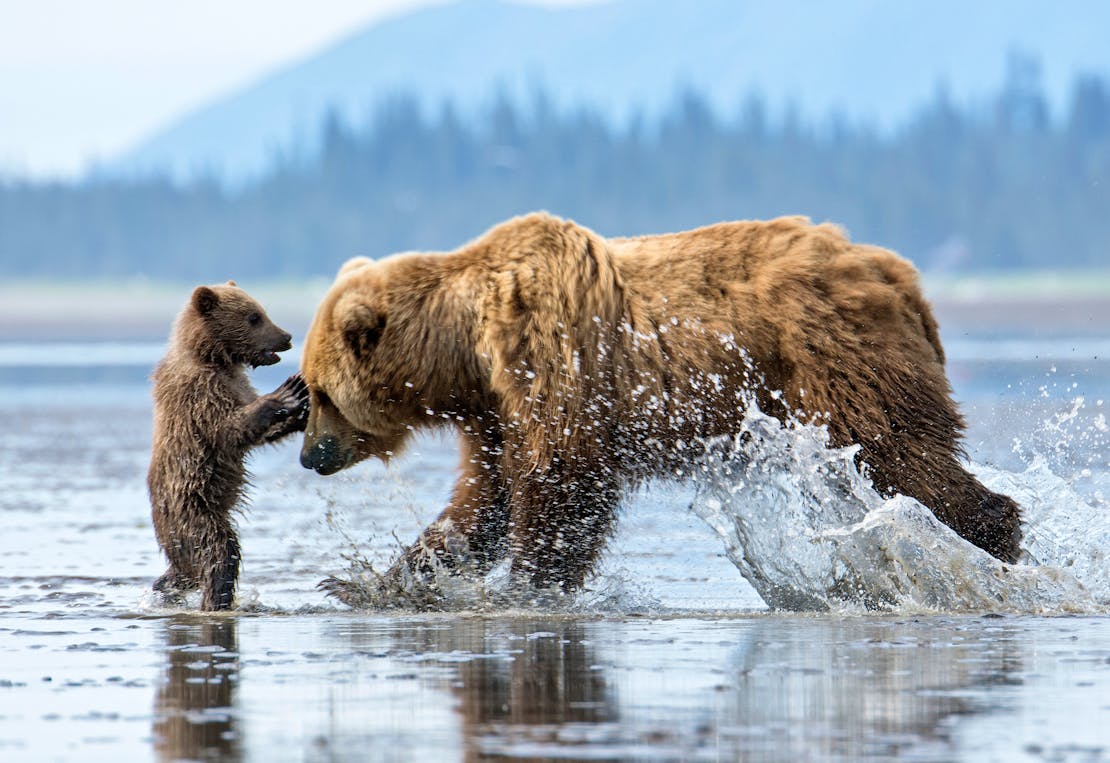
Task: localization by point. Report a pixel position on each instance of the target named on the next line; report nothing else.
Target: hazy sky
(81, 80)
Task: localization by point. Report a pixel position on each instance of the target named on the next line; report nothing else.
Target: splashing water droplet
(809, 532)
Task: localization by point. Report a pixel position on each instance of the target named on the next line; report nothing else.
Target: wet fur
(574, 366)
(207, 416)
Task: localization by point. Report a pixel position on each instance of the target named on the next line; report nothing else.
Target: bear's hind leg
(894, 401)
(1000, 519)
(978, 515)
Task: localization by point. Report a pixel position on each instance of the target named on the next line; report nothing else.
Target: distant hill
(865, 60)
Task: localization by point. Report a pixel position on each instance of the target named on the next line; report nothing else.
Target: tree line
(1000, 186)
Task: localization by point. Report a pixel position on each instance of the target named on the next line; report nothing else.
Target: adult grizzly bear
(574, 366)
(207, 416)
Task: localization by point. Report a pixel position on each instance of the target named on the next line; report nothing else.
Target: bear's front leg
(472, 532)
(560, 524)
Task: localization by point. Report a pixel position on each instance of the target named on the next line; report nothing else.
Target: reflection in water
(194, 713)
(531, 688)
(531, 680)
(865, 689)
(760, 689)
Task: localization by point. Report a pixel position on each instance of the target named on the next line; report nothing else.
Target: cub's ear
(232, 283)
(205, 300)
(362, 329)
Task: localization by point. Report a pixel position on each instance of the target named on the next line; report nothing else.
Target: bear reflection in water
(542, 689)
(194, 709)
(573, 367)
(871, 688)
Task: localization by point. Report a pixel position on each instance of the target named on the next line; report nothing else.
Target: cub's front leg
(252, 424)
(294, 393)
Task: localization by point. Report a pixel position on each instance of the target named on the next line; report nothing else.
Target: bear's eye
(254, 319)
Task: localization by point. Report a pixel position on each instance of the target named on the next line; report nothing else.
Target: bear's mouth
(266, 358)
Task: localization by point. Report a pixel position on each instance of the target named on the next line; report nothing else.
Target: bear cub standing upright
(207, 416)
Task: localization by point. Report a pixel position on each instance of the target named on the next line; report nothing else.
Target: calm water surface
(670, 656)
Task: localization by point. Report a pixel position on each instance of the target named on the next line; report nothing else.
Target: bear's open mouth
(266, 358)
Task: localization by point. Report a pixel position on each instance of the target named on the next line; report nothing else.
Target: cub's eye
(254, 319)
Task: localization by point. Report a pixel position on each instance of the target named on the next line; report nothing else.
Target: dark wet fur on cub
(207, 416)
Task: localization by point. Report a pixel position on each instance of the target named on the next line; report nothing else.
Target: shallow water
(761, 687)
(672, 655)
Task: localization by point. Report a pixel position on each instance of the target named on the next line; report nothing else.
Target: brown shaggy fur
(573, 366)
(206, 417)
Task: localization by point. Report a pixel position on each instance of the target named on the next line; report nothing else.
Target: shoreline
(145, 311)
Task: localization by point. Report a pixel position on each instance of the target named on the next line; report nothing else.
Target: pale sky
(81, 80)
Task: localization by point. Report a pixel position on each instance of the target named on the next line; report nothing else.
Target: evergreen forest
(1005, 185)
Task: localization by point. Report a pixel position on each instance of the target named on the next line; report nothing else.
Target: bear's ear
(205, 300)
(352, 264)
(362, 329)
(231, 283)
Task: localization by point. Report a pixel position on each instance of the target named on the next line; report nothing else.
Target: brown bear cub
(207, 416)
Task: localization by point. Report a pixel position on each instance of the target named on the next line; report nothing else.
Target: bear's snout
(283, 342)
(324, 455)
(268, 354)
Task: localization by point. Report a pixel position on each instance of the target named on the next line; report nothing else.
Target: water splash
(441, 589)
(809, 532)
(1063, 528)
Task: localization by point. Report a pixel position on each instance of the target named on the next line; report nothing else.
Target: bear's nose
(285, 341)
(324, 455)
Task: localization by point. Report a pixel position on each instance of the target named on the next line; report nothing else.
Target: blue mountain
(863, 60)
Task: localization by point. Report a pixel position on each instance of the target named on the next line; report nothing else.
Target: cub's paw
(293, 394)
(291, 411)
(293, 389)
(272, 410)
